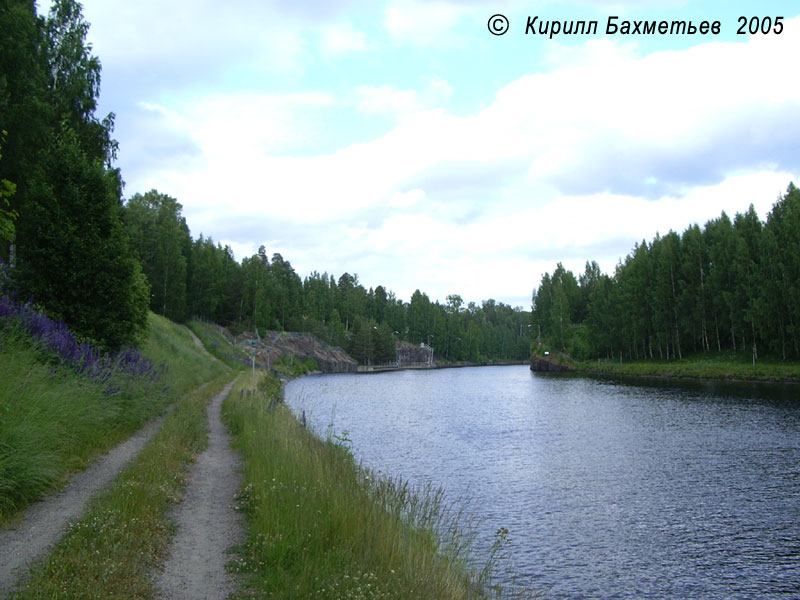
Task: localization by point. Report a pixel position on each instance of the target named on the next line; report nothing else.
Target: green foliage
(214, 282)
(72, 254)
(321, 527)
(730, 286)
(7, 217)
(161, 241)
(55, 421)
(580, 347)
(25, 114)
(291, 366)
(75, 258)
(125, 533)
(727, 365)
(217, 344)
(7, 189)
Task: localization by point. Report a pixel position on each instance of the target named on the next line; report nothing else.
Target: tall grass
(63, 403)
(187, 365)
(111, 551)
(321, 527)
(701, 366)
(218, 345)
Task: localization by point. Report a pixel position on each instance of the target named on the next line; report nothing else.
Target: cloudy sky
(404, 142)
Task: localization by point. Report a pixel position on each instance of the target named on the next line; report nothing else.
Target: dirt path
(207, 523)
(196, 339)
(199, 344)
(43, 524)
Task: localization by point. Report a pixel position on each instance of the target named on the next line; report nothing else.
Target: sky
(403, 142)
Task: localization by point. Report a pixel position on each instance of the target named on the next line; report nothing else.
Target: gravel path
(207, 523)
(196, 339)
(199, 344)
(44, 522)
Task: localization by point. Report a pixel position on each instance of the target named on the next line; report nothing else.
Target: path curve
(44, 522)
(207, 523)
(199, 344)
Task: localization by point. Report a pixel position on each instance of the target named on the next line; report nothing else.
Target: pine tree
(73, 255)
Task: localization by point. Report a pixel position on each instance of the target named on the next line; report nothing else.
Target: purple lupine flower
(84, 359)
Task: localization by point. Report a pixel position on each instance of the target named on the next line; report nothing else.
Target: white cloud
(609, 145)
(194, 39)
(339, 39)
(229, 126)
(423, 23)
(438, 88)
(407, 199)
(387, 99)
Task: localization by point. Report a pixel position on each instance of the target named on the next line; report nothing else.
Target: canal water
(608, 489)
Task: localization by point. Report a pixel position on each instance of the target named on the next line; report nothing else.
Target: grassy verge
(218, 345)
(124, 533)
(187, 365)
(291, 366)
(54, 419)
(321, 527)
(700, 367)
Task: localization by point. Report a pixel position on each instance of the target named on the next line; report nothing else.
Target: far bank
(729, 368)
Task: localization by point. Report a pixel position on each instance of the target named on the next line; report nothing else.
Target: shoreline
(364, 369)
(685, 370)
(669, 376)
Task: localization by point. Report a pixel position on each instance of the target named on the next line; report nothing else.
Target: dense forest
(59, 194)
(200, 279)
(99, 263)
(732, 286)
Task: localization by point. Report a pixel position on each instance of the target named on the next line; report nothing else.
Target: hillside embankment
(317, 524)
(100, 528)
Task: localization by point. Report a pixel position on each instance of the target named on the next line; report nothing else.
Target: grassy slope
(318, 525)
(321, 527)
(111, 551)
(218, 345)
(54, 421)
(188, 365)
(702, 366)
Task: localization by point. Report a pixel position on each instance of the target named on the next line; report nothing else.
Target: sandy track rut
(44, 522)
(207, 523)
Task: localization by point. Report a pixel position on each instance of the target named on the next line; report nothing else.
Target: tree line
(99, 263)
(198, 278)
(731, 286)
(60, 196)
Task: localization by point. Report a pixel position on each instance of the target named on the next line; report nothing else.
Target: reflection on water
(610, 490)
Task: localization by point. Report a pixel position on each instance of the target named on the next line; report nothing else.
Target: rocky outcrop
(413, 355)
(276, 344)
(547, 364)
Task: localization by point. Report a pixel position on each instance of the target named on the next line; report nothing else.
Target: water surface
(609, 490)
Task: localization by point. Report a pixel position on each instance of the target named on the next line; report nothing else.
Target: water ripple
(609, 490)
